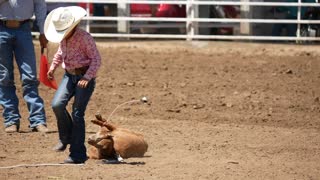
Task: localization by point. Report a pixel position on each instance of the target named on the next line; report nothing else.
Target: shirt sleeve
(40, 11)
(94, 56)
(57, 59)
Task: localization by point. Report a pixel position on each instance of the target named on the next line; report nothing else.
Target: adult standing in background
(16, 41)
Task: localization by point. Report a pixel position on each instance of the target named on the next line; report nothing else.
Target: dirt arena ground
(217, 110)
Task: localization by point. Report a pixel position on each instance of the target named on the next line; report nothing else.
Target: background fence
(197, 23)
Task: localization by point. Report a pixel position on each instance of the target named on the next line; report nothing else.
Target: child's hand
(83, 83)
(50, 75)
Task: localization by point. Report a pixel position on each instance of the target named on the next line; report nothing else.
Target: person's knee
(28, 82)
(5, 78)
(57, 106)
(78, 112)
(6, 83)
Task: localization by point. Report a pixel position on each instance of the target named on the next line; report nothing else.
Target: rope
(120, 106)
(37, 165)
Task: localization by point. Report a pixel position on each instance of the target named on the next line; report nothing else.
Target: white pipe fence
(192, 22)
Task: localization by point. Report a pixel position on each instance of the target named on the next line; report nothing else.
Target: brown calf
(111, 140)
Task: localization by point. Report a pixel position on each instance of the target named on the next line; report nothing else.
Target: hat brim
(55, 36)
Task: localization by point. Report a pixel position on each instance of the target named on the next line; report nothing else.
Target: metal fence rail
(192, 22)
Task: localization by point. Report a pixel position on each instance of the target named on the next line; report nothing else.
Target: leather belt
(13, 24)
(78, 71)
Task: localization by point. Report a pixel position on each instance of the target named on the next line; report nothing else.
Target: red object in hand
(43, 73)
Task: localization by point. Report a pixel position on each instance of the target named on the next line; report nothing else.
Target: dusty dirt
(217, 110)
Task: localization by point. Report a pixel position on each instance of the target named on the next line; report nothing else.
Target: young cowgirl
(79, 56)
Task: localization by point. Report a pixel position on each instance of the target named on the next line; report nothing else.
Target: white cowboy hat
(61, 21)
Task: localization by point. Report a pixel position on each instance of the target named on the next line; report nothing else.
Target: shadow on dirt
(114, 161)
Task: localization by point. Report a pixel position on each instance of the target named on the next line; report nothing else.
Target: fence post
(298, 18)
(195, 24)
(245, 27)
(88, 14)
(189, 22)
(123, 11)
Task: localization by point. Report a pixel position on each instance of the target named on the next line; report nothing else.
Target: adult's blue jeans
(72, 127)
(17, 43)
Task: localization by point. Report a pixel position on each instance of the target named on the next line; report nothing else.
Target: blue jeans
(72, 127)
(18, 43)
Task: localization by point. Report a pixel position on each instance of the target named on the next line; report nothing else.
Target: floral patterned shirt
(78, 51)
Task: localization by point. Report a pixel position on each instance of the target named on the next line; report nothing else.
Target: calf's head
(103, 141)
